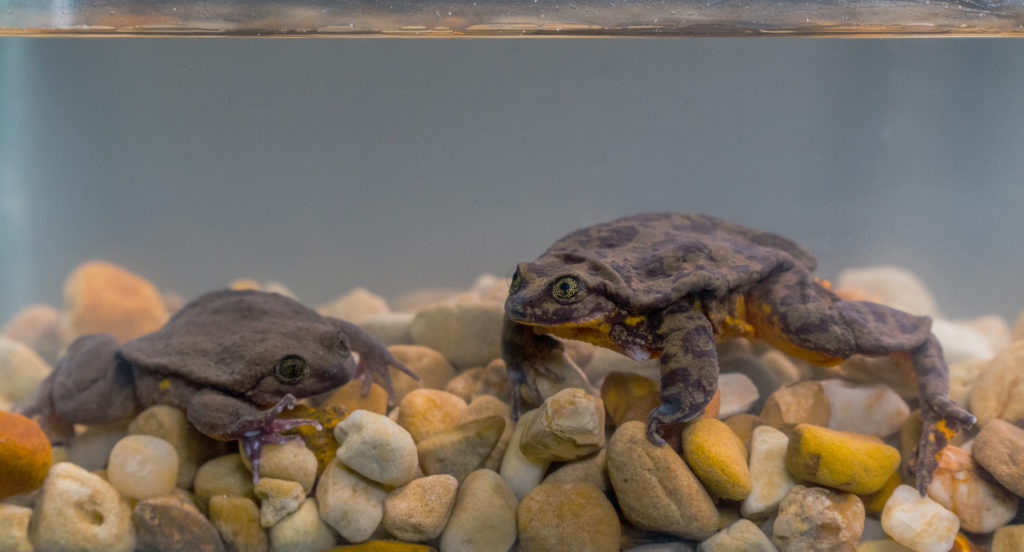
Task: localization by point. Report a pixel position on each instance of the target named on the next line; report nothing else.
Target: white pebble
(519, 472)
(871, 409)
(77, 511)
(960, 342)
(738, 394)
(302, 531)
(350, 503)
(768, 474)
(143, 466)
(14, 528)
(376, 447)
(919, 522)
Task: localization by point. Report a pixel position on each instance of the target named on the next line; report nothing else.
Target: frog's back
(661, 257)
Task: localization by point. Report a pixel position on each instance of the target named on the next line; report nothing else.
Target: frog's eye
(291, 369)
(343, 347)
(517, 282)
(566, 288)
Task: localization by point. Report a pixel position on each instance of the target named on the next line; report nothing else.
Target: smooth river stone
(79, 511)
(143, 466)
(484, 516)
(100, 297)
(770, 480)
(919, 522)
(350, 503)
(567, 516)
(419, 510)
(960, 487)
(999, 448)
(376, 447)
(569, 425)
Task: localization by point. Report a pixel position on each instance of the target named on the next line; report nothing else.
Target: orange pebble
(25, 454)
(101, 297)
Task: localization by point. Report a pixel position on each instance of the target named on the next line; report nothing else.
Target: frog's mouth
(595, 332)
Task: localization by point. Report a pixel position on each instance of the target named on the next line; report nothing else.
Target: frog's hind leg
(794, 313)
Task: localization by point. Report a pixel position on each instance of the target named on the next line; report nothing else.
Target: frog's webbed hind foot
(268, 431)
(526, 355)
(374, 358)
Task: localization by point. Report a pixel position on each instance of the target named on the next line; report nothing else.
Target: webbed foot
(377, 363)
(268, 430)
(941, 420)
(664, 415)
(529, 363)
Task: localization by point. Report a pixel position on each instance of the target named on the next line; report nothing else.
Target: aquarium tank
(484, 276)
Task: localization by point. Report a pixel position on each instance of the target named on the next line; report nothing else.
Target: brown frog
(232, 360)
(672, 285)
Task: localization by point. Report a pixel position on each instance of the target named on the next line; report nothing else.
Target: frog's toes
(956, 418)
(378, 365)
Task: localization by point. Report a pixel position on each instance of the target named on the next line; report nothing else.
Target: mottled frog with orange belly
(672, 285)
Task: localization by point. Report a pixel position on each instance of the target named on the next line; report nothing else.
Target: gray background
(397, 164)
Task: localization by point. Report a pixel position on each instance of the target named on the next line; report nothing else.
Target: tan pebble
(21, 370)
(467, 334)
(569, 425)
(567, 516)
(224, 475)
(770, 480)
(351, 504)
(462, 449)
(376, 447)
(38, 327)
(350, 398)
(193, 448)
(743, 426)
(592, 469)
(14, 528)
(780, 367)
(432, 367)
(999, 389)
(77, 511)
(493, 380)
(25, 454)
(356, 306)
(890, 285)
(803, 402)
(302, 531)
(629, 397)
(896, 371)
(882, 545)
(962, 377)
(871, 409)
(237, 520)
(919, 522)
(278, 498)
(171, 523)
(655, 489)
(847, 461)
(484, 516)
(290, 460)
(999, 448)
(960, 487)
(738, 393)
(100, 297)
(390, 329)
(419, 510)
(143, 466)
(464, 384)
(426, 411)
(487, 405)
(718, 458)
(814, 518)
(1009, 538)
(603, 362)
(740, 535)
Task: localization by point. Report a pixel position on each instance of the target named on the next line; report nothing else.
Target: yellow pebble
(851, 462)
(381, 546)
(875, 502)
(629, 396)
(718, 458)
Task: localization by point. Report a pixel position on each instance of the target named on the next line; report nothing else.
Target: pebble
(352, 505)
(739, 394)
(14, 528)
(782, 368)
(890, 285)
(39, 328)
(467, 334)
(875, 502)
(519, 472)
(25, 454)
(592, 469)
(224, 475)
(995, 328)
(356, 306)
(431, 366)
(741, 535)
(655, 489)
(743, 426)
(349, 397)
(961, 342)
(871, 409)
(302, 531)
(465, 383)
(718, 458)
(21, 370)
(628, 396)
(804, 402)
(847, 461)
(882, 545)
(419, 510)
(999, 448)
(484, 516)
(78, 511)
(462, 449)
(569, 425)
(100, 297)
(382, 546)
(493, 380)
(770, 480)
(999, 389)
(603, 362)
(391, 328)
(1009, 538)
(919, 522)
(554, 517)
(677, 546)
(289, 460)
(278, 499)
(814, 518)
(962, 377)
(488, 405)
(376, 447)
(169, 423)
(91, 448)
(958, 486)
(143, 466)
(426, 411)
(237, 519)
(171, 523)
(896, 371)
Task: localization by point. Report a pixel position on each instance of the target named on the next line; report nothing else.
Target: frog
(232, 360)
(672, 286)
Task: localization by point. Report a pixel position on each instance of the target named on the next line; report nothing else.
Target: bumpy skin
(224, 359)
(672, 285)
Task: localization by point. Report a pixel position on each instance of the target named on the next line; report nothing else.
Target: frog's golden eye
(566, 288)
(343, 347)
(291, 369)
(517, 282)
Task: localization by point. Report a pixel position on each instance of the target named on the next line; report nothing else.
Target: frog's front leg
(525, 353)
(374, 357)
(689, 369)
(227, 417)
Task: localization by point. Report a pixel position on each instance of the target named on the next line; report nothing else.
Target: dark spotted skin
(218, 360)
(672, 285)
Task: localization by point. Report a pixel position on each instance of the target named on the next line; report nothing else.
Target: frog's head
(308, 365)
(566, 293)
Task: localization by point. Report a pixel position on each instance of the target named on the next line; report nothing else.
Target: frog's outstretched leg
(90, 385)
(226, 417)
(374, 357)
(689, 369)
(791, 311)
(525, 352)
